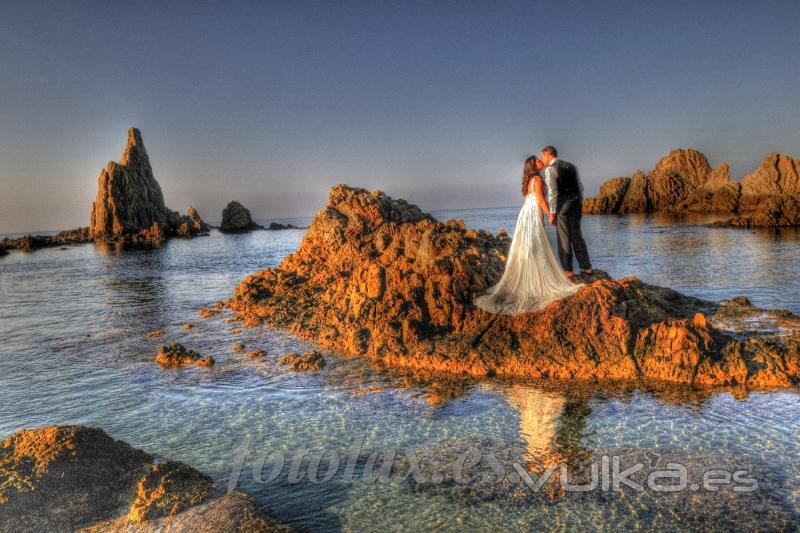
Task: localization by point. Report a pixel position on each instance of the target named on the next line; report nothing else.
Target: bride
(533, 277)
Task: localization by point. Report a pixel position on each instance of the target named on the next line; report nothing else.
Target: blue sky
(271, 103)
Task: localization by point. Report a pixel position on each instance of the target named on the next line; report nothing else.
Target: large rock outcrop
(130, 205)
(236, 217)
(683, 181)
(378, 277)
(62, 478)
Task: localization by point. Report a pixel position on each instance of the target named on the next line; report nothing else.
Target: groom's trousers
(570, 238)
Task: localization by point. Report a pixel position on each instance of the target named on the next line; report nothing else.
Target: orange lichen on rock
(167, 489)
(378, 277)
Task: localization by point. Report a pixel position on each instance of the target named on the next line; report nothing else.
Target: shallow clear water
(74, 349)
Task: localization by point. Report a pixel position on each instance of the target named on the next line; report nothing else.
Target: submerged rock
(177, 355)
(63, 478)
(378, 277)
(207, 313)
(231, 513)
(683, 181)
(130, 205)
(311, 360)
(236, 217)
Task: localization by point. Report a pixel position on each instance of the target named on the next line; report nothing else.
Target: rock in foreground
(378, 277)
(130, 205)
(684, 182)
(177, 355)
(236, 217)
(62, 478)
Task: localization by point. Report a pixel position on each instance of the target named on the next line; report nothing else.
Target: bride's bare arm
(538, 188)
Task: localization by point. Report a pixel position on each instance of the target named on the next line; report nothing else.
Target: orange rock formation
(130, 205)
(378, 277)
(683, 181)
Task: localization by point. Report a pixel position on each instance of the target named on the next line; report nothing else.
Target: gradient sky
(271, 103)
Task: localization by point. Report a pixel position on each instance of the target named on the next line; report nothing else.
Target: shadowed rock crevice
(378, 277)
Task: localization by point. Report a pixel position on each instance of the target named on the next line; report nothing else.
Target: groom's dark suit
(568, 209)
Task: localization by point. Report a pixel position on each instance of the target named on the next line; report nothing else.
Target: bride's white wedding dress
(533, 277)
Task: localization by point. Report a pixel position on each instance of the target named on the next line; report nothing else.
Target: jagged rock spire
(130, 204)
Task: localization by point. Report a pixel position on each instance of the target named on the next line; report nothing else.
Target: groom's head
(548, 154)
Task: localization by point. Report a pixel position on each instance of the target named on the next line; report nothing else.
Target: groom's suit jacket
(563, 183)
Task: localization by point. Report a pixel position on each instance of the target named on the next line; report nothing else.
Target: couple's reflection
(552, 426)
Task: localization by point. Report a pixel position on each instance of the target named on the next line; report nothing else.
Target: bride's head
(532, 167)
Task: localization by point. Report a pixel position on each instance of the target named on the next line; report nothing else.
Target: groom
(565, 198)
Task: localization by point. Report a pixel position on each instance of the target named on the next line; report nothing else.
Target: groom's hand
(552, 219)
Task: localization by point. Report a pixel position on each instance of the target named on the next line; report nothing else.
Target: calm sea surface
(74, 349)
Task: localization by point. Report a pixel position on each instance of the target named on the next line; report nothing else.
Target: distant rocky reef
(684, 182)
(68, 478)
(236, 218)
(29, 243)
(378, 277)
(130, 205)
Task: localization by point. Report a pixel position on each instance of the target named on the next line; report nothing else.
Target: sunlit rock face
(378, 277)
(770, 196)
(683, 181)
(130, 205)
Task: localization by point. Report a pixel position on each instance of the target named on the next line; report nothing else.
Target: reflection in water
(538, 420)
(552, 426)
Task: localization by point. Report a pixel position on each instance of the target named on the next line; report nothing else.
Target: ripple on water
(75, 349)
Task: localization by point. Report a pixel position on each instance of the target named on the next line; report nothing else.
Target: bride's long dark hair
(528, 173)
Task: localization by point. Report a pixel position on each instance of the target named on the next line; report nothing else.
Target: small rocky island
(684, 182)
(68, 478)
(130, 205)
(378, 277)
(236, 218)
